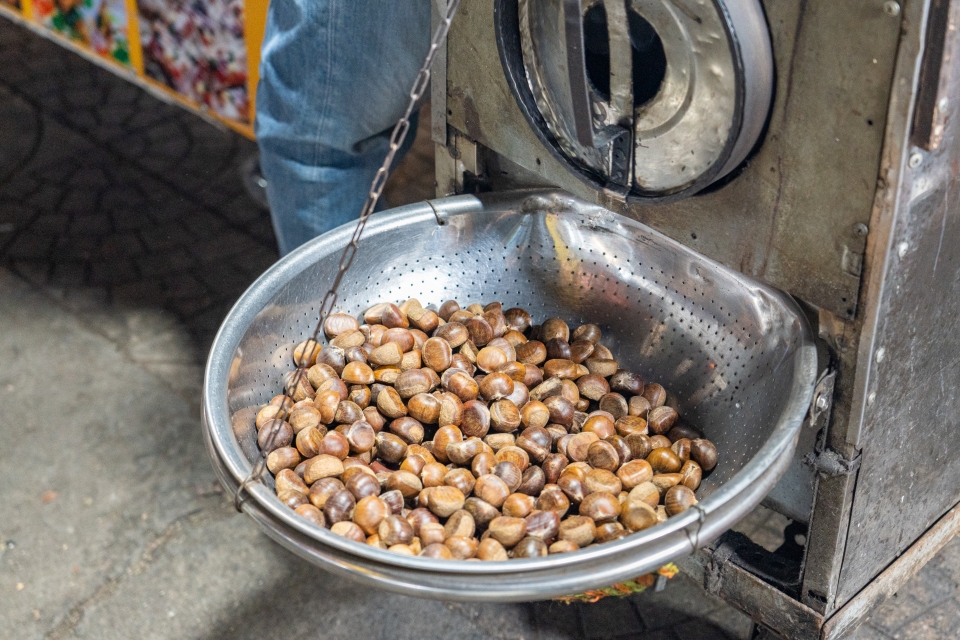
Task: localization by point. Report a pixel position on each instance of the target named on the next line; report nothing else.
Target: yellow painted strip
(133, 36)
(254, 24)
(26, 6)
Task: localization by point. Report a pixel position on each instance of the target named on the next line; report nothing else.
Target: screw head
(872, 397)
(902, 249)
(915, 160)
(861, 229)
(891, 8)
(822, 403)
(881, 353)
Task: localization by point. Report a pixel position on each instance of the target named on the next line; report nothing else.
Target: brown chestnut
(504, 416)
(518, 505)
(635, 472)
(369, 512)
(637, 516)
(645, 492)
(529, 547)
(690, 475)
(678, 499)
(491, 550)
(495, 386)
(349, 530)
(661, 419)
(602, 481)
(600, 506)
(655, 394)
(704, 453)
(437, 551)
(603, 455)
(533, 481)
(395, 530)
(664, 460)
(552, 498)
(552, 466)
(492, 490)
(483, 512)
(555, 328)
(507, 531)
(339, 506)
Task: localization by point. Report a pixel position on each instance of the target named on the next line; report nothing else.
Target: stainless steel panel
(910, 470)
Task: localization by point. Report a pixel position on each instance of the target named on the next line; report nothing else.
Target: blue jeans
(335, 76)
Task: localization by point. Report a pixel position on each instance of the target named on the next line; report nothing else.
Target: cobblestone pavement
(125, 235)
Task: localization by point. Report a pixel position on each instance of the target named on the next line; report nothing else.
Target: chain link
(399, 134)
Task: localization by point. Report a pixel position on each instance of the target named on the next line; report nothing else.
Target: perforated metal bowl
(736, 355)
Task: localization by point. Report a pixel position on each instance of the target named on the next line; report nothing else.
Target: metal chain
(400, 131)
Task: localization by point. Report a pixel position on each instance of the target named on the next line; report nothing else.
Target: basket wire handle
(400, 131)
(694, 540)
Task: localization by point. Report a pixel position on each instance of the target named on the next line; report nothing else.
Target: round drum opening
(649, 59)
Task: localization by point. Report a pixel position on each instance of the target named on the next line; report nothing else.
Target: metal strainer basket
(736, 356)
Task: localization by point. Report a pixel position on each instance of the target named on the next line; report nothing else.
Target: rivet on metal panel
(881, 353)
(891, 8)
(872, 398)
(902, 249)
(861, 229)
(915, 160)
(822, 396)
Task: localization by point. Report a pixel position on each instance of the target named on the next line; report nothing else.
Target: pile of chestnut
(472, 433)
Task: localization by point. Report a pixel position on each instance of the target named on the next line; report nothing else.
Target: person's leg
(334, 78)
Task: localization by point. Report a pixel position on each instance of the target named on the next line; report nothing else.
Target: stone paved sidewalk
(125, 236)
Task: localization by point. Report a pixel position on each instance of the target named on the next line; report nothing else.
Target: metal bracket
(822, 400)
(831, 464)
(621, 154)
(826, 462)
